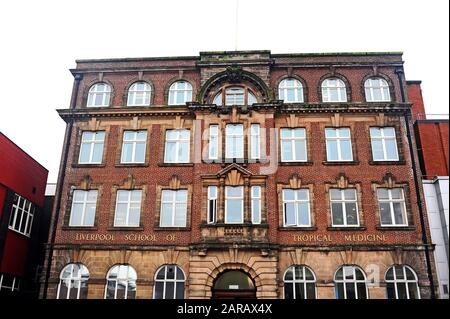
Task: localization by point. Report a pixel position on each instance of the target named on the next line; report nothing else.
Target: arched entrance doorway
(233, 284)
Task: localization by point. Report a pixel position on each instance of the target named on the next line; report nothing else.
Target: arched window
(235, 95)
(121, 282)
(333, 90)
(99, 95)
(290, 91)
(169, 283)
(350, 283)
(377, 90)
(73, 282)
(180, 93)
(401, 283)
(299, 283)
(139, 94)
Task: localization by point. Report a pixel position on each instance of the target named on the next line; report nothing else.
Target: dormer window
(234, 95)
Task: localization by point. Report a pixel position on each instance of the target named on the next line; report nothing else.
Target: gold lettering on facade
(94, 237)
(140, 237)
(309, 238)
(171, 237)
(365, 237)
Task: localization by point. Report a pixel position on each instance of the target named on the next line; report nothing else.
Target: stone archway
(233, 284)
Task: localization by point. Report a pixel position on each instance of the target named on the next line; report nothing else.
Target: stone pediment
(227, 170)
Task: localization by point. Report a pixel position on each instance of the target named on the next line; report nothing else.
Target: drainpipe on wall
(61, 174)
(400, 75)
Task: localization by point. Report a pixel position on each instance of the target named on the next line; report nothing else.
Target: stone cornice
(193, 108)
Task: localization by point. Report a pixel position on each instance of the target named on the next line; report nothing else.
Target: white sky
(40, 40)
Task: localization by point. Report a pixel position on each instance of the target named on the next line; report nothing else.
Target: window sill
(79, 228)
(125, 228)
(308, 163)
(340, 163)
(132, 165)
(88, 165)
(395, 228)
(236, 225)
(347, 228)
(297, 228)
(371, 162)
(159, 228)
(175, 164)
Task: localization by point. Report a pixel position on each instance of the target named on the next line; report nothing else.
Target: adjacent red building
(22, 187)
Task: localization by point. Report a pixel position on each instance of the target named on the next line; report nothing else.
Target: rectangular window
(293, 145)
(9, 282)
(339, 144)
(256, 204)
(128, 208)
(296, 208)
(173, 208)
(255, 141)
(214, 142)
(91, 149)
(212, 204)
(344, 207)
(234, 205)
(234, 146)
(133, 146)
(22, 215)
(392, 207)
(83, 208)
(384, 144)
(177, 146)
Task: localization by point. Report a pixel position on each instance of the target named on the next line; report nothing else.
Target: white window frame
(256, 214)
(340, 88)
(178, 140)
(339, 140)
(72, 280)
(91, 144)
(213, 198)
(129, 202)
(296, 200)
(127, 279)
(283, 89)
(166, 280)
(353, 281)
(173, 203)
(405, 281)
(15, 284)
(231, 98)
(382, 85)
(133, 91)
(26, 209)
(255, 141)
(230, 152)
(84, 202)
(227, 197)
(342, 201)
(94, 91)
(391, 202)
(303, 282)
(134, 142)
(177, 88)
(292, 140)
(383, 139)
(213, 141)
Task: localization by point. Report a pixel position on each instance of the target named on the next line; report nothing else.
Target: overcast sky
(40, 41)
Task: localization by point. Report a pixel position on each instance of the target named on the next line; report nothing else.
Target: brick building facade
(244, 174)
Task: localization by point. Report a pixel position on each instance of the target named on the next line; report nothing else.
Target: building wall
(433, 147)
(263, 251)
(437, 200)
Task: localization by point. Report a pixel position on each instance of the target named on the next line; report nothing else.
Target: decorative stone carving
(174, 182)
(234, 74)
(295, 182)
(234, 178)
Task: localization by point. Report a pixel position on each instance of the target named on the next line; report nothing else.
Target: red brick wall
(433, 147)
(415, 97)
